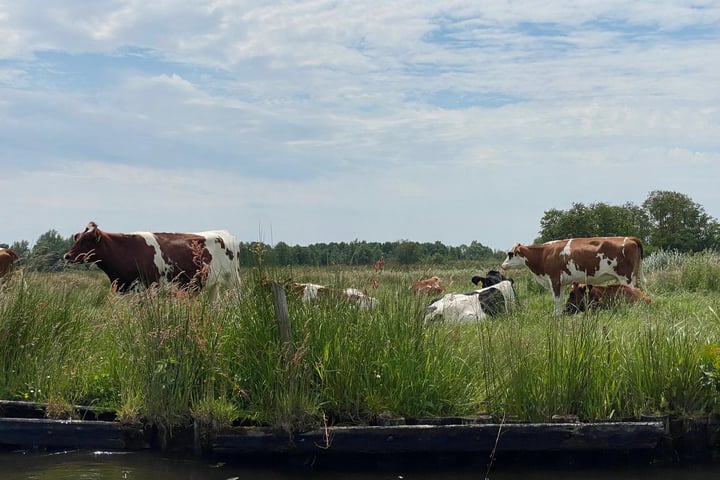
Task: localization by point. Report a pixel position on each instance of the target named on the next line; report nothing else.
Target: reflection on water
(151, 466)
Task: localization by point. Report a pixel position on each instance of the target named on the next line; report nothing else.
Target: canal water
(88, 465)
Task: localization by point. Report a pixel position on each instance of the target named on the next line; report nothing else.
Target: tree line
(666, 220)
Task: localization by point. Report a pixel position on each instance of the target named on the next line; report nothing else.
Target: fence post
(283, 318)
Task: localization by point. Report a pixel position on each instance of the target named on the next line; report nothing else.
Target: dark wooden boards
(446, 438)
(91, 434)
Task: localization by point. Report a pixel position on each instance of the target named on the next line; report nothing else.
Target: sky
(333, 121)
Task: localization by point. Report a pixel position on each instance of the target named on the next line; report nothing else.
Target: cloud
(341, 120)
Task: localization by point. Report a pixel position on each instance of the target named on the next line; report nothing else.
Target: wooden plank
(33, 432)
(26, 409)
(448, 438)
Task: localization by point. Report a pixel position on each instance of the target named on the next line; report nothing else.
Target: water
(86, 465)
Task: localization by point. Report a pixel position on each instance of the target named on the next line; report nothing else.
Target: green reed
(49, 347)
(172, 359)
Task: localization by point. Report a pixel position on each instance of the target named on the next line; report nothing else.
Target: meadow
(171, 359)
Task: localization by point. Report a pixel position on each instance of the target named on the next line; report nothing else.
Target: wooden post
(283, 318)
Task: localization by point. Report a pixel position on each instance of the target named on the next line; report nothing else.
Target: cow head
(493, 278)
(86, 243)
(514, 258)
(578, 300)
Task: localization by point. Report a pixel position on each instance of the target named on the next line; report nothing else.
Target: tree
(48, 251)
(595, 220)
(478, 252)
(679, 223)
(22, 248)
(283, 254)
(407, 252)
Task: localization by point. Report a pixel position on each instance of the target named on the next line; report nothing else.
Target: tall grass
(172, 359)
(43, 335)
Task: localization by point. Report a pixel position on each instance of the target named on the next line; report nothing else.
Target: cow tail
(640, 274)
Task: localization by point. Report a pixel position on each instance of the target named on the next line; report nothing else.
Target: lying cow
(428, 286)
(190, 260)
(310, 292)
(473, 306)
(493, 278)
(593, 260)
(589, 297)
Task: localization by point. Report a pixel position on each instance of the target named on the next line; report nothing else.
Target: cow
(8, 262)
(472, 306)
(589, 297)
(191, 261)
(379, 266)
(493, 277)
(592, 260)
(310, 292)
(428, 286)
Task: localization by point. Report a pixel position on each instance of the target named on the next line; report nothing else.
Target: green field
(170, 359)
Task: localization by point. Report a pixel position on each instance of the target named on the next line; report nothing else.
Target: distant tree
(283, 254)
(364, 253)
(22, 248)
(679, 223)
(476, 252)
(300, 255)
(48, 251)
(595, 220)
(407, 252)
(556, 224)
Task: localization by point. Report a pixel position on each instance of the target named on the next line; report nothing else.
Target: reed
(172, 359)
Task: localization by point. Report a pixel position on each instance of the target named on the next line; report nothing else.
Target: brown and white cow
(591, 260)
(310, 292)
(8, 262)
(190, 260)
(589, 297)
(428, 286)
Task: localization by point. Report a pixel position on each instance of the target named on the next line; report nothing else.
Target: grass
(171, 359)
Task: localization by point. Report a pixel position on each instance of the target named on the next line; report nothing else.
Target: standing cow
(190, 260)
(592, 260)
(8, 261)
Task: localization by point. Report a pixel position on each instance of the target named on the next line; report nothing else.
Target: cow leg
(558, 308)
(557, 297)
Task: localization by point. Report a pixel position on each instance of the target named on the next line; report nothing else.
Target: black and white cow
(493, 278)
(472, 306)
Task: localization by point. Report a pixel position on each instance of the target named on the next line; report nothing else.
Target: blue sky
(320, 121)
